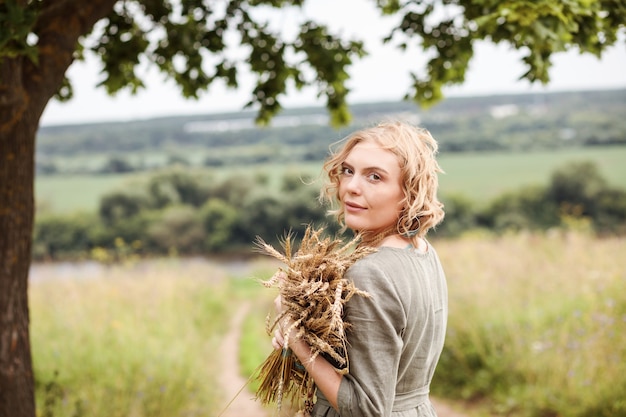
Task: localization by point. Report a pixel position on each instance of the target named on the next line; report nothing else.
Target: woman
(385, 181)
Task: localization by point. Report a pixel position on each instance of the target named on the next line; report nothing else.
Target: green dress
(395, 338)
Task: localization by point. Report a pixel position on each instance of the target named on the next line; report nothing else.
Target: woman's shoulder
(390, 263)
(377, 276)
(389, 257)
(371, 262)
(378, 266)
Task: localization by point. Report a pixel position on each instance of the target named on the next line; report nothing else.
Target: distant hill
(483, 123)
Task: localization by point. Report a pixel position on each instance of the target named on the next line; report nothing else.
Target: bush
(177, 187)
(62, 236)
(526, 209)
(577, 184)
(262, 216)
(131, 230)
(460, 217)
(178, 230)
(121, 205)
(219, 220)
(117, 165)
(610, 215)
(577, 194)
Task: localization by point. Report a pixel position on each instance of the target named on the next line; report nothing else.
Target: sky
(381, 76)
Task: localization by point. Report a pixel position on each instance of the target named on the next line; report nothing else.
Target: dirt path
(445, 410)
(244, 404)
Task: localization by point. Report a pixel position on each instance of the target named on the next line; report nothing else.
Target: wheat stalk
(314, 290)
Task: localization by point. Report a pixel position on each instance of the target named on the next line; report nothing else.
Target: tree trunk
(25, 88)
(17, 149)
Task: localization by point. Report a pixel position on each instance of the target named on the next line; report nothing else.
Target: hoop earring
(411, 233)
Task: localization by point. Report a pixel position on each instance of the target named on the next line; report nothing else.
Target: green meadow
(537, 327)
(478, 176)
(482, 176)
(133, 339)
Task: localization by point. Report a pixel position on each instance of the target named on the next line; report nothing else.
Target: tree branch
(59, 26)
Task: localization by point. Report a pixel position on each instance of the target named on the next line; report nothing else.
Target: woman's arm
(374, 349)
(323, 373)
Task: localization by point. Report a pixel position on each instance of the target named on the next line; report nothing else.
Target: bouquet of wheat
(314, 290)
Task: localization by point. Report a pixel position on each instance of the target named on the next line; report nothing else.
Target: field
(537, 328)
(135, 339)
(478, 176)
(482, 176)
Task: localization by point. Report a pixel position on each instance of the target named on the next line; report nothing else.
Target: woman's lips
(353, 207)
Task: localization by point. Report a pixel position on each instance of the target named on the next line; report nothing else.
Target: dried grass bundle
(314, 291)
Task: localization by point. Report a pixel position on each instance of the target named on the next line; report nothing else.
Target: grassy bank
(129, 341)
(537, 328)
(537, 325)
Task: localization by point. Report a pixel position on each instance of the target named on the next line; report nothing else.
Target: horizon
(322, 108)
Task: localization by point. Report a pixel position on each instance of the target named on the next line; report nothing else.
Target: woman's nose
(353, 185)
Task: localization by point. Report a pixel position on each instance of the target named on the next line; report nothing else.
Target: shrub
(62, 236)
(219, 220)
(177, 187)
(525, 209)
(121, 205)
(460, 216)
(178, 230)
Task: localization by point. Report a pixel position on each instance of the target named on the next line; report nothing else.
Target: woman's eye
(374, 177)
(346, 171)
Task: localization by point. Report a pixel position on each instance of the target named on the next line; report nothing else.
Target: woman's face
(369, 188)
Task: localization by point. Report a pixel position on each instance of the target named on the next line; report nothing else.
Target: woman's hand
(285, 323)
(278, 341)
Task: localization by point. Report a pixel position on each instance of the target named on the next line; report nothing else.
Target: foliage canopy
(192, 42)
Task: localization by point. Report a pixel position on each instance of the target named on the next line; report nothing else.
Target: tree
(187, 41)
(575, 187)
(219, 219)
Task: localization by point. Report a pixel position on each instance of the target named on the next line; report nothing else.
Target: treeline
(175, 212)
(492, 123)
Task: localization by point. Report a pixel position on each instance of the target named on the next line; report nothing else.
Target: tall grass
(537, 324)
(255, 346)
(537, 328)
(132, 341)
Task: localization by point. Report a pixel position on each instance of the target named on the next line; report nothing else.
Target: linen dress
(395, 338)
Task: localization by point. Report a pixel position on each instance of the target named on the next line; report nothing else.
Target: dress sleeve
(374, 344)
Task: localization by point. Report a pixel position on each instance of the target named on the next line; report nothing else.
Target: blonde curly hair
(416, 150)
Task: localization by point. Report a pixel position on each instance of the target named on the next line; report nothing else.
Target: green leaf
(16, 25)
